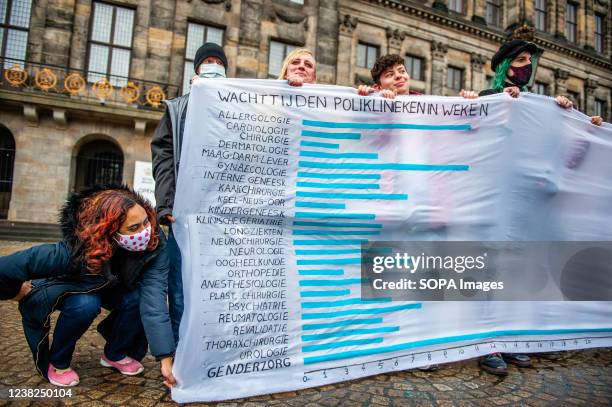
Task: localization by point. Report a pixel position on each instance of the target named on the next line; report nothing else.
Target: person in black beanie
(209, 62)
(515, 65)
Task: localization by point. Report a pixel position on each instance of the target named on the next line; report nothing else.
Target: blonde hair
(290, 57)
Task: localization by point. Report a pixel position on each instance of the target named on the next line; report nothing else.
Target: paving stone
(582, 378)
(442, 387)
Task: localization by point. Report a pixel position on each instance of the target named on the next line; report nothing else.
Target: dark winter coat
(488, 92)
(62, 273)
(166, 152)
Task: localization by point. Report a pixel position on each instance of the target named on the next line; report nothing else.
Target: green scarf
(500, 79)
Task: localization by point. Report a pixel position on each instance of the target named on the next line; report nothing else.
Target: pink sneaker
(126, 366)
(62, 377)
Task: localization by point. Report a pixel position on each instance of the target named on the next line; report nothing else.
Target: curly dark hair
(100, 217)
(383, 63)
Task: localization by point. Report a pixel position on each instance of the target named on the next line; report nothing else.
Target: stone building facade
(82, 80)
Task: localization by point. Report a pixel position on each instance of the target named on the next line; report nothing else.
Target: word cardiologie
(422, 262)
(358, 104)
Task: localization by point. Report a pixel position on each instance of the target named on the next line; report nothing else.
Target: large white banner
(279, 186)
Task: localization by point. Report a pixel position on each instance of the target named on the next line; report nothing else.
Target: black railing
(102, 168)
(84, 85)
(7, 162)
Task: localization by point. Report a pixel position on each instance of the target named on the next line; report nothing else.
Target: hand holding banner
(280, 190)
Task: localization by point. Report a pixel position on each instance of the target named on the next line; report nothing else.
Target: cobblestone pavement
(581, 378)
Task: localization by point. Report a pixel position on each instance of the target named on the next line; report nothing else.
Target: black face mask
(522, 75)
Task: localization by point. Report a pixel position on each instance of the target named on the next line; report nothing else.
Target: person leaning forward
(111, 255)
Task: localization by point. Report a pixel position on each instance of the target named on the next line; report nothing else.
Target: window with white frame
(197, 35)
(278, 53)
(456, 6)
(414, 66)
(540, 15)
(110, 43)
(14, 27)
(366, 55)
(540, 88)
(454, 78)
(571, 21)
(494, 13)
(574, 97)
(599, 33)
(600, 108)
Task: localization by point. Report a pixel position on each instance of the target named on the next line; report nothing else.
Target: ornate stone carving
(228, 3)
(45, 79)
(523, 32)
(438, 49)
(30, 112)
(477, 61)
(363, 79)
(102, 89)
(590, 85)
(348, 24)
(16, 76)
(479, 19)
(561, 75)
(130, 92)
(395, 37)
(289, 15)
(440, 5)
(74, 83)
(60, 119)
(140, 126)
(155, 96)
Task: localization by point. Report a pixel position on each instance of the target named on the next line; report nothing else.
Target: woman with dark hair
(515, 65)
(112, 255)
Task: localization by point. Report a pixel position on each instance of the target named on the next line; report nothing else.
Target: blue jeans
(78, 312)
(175, 285)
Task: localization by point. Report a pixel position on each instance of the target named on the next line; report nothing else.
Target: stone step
(29, 231)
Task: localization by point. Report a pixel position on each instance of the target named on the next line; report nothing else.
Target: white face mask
(136, 242)
(212, 71)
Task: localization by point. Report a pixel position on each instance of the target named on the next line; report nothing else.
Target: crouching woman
(112, 255)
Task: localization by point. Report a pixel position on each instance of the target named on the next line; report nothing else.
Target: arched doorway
(7, 163)
(98, 162)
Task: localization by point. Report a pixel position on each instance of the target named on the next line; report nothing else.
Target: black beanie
(210, 49)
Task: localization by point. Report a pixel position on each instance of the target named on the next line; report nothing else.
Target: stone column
(480, 12)
(586, 26)
(78, 47)
(345, 65)
(395, 38)
(37, 31)
(477, 62)
(514, 14)
(560, 18)
(159, 40)
(251, 15)
(551, 16)
(327, 41)
(468, 8)
(560, 82)
(590, 85)
(529, 16)
(438, 66)
(58, 32)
